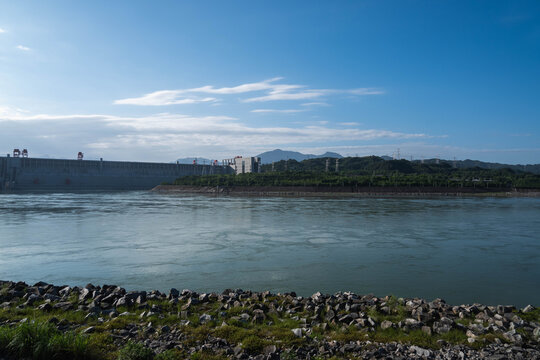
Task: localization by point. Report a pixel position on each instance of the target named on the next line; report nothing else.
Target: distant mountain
(189, 160)
(467, 164)
(278, 155)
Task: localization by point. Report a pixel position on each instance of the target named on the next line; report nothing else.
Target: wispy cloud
(164, 97)
(315, 103)
(293, 92)
(2, 31)
(284, 111)
(244, 88)
(23, 48)
(141, 137)
(271, 91)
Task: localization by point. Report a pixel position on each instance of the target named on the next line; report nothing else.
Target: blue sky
(160, 80)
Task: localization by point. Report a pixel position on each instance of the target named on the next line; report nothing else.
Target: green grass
(135, 351)
(530, 316)
(38, 340)
(254, 344)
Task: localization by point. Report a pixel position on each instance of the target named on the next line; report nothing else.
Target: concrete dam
(34, 174)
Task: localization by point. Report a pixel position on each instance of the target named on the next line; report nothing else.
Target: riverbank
(322, 191)
(108, 322)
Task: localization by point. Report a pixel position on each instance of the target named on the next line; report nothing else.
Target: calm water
(463, 250)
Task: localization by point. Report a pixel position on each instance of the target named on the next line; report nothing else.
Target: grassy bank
(212, 326)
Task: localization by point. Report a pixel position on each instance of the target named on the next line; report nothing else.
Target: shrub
(253, 344)
(135, 351)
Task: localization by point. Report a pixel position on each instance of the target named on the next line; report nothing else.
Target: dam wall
(34, 174)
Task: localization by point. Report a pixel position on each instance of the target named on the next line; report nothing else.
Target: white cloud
(2, 31)
(272, 91)
(285, 93)
(349, 123)
(163, 97)
(23, 48)
(285, 111)
(165, 136)
(244, 88)
(7, 111)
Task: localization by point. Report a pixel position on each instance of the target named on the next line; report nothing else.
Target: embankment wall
(34, 174)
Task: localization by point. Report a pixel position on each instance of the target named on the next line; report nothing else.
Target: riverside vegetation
(44, 321)
(371, 171)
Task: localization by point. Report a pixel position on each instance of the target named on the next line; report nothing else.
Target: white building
(243, 165)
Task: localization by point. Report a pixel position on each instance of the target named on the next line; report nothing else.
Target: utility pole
(273, 166)
(337, 165)
(327, 164)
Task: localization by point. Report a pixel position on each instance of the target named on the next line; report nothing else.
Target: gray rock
(63, 305)
(386, 324)
(165, 329)
(330, 315)
(85, 294)
(204, 318)
(270, 349)
(89, 330)
(421, 351)
(174, 293)
(45, 307)
(297, 332)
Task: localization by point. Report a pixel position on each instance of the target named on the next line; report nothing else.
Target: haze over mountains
(269, 156)
(279, 155)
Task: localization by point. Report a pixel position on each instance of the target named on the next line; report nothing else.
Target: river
(463, 250)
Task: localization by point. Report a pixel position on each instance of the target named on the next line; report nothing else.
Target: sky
(161, 80)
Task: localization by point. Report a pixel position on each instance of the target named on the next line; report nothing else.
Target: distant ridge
(278, 155)
(467, 164)
(189, 160)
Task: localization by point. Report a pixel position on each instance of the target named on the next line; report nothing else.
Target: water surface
(461, 249)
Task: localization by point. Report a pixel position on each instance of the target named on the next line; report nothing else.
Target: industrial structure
(21, 173)
(243, 165)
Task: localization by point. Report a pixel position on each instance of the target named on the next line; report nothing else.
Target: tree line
(369, 171)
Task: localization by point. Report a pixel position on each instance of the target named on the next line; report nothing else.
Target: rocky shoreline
(109, 322)
(321, 191)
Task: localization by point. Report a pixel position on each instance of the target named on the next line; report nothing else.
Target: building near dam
(243, 165)
(21, 173)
